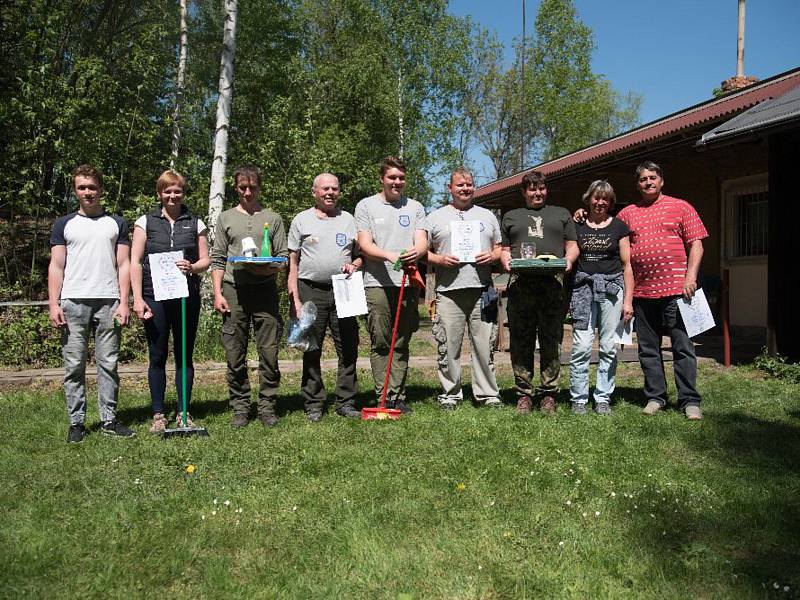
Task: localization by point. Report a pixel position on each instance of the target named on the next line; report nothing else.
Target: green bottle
(265, 243)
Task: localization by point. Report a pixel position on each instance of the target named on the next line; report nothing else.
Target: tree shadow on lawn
(746, 529)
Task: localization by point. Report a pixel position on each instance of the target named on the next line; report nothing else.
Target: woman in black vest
(169, 227)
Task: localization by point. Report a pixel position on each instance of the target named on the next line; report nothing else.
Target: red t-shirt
(659, 235)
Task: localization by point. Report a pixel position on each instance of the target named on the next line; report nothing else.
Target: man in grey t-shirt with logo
(391, 228)
(464, 243)
(322, 243)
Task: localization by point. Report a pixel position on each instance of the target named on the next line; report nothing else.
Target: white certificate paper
(696, 313)
(465, 240)
(624, 333)
(168, 281)
(348, 293)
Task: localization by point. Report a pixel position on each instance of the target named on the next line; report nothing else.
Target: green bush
(777, 367)
(28, 340)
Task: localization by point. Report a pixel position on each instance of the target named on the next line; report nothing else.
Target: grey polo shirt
(393, 228)
(466, 275)
(323, 244)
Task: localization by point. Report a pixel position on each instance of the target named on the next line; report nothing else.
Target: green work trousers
(382, 306)
(257, 305)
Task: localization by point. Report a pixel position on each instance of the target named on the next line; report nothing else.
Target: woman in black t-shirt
(602, 294)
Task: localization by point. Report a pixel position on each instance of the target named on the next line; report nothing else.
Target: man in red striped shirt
(666, 236)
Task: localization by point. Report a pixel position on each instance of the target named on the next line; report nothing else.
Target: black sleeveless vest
(161, 237)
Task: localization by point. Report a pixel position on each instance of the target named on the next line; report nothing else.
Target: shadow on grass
(750, 525)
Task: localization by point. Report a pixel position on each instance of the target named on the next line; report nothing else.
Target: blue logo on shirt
(341, 240)
(405, 220)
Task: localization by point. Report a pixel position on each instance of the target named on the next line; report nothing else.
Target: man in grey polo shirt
(460, 289)
(322, 243)
(391, 227)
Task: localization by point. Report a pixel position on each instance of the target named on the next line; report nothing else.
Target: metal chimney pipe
(740, 42)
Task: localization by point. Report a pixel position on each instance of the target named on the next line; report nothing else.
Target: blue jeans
(605, 315)
(83, 316)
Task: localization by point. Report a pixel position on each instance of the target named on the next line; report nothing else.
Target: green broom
(182, 430)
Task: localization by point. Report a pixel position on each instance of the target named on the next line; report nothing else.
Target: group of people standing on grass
(639, 263)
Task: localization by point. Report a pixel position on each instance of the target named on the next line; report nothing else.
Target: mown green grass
(473, 504)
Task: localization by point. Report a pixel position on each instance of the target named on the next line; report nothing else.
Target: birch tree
(217, 192)
(176, 127)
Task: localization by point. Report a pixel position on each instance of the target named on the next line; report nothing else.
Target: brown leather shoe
(548, 405)
(268, 419)
(239, 420)
(524, 405)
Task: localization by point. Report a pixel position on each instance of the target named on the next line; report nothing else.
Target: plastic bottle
(265, 243)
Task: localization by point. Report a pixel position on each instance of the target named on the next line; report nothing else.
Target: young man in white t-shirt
(88, 284)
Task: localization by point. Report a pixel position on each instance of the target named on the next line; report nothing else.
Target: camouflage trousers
(536, 309)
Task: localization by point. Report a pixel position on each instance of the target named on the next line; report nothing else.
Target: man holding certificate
(666, 249)
(322, 243)
(464, 242)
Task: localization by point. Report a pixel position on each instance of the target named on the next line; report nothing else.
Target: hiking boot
(76, 433)
(239, 420)
(348, 411)
(117, 429)
(578, 408)
(447, 406)
(314, 416)
(602, 408)
(159, 423)
(653, 406)
(399, 405)
(493, 403)
(524, 405)
(270, 420)
(693, 412)
(189, 424)
(548, 405)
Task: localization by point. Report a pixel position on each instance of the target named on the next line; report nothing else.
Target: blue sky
(672, 52)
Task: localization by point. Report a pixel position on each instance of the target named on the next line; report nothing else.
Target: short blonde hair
(602, 189)
(168, 178)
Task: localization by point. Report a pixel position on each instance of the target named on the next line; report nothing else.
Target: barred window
(751, 225)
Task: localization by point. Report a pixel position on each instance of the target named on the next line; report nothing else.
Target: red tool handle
(394, 338)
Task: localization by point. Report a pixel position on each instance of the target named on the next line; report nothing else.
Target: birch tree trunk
(217, 191)
(176, 128)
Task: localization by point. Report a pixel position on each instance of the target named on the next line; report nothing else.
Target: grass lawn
(471, 504)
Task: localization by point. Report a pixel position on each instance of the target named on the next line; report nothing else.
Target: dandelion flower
(461, 487)
(190, 469)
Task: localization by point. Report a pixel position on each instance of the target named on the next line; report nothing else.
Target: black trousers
(654, 319)
(345, 340)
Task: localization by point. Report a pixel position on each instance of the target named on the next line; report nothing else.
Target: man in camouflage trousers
(536, 302)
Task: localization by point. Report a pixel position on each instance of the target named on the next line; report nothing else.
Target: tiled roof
(771, 113)
(709, 111)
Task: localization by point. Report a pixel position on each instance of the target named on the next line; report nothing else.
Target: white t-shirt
(91, 243)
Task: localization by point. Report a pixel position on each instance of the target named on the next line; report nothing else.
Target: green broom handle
(183, 346)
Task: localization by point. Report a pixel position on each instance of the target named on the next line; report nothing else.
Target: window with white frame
(746, 218)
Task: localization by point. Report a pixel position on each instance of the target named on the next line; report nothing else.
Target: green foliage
(29, 341)
(564, 105)
(469, 504)
(777, 367)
